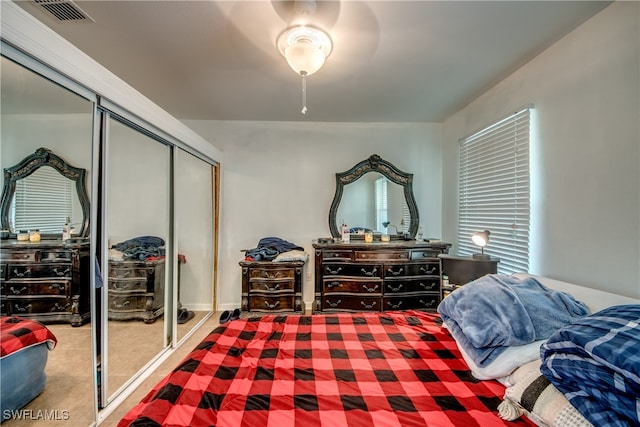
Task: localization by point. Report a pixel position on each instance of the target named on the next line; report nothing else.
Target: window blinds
(42, 201)
(382, 212)
(494, 191)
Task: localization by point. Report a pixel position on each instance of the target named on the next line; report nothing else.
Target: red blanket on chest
(365, 369)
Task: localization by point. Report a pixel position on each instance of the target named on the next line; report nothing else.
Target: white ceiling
(393, 61)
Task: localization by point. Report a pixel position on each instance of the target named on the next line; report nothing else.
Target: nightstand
(272, 286)
(462, 270)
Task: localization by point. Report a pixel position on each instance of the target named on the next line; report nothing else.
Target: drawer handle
(368, 289)
(429, 271)
(58, 307)
(61, 273)
(22, 309)
(17, 292)
(336, 271)
(124, 304)
(274, 288)
(428, 287)
(368, 306)
(392, 289)
(333, 284)
(333, 304)
(395, 273)
(57, 286)
(394, 306)
(26, 273)
(272, 306)
(369, 273)
(428, 304)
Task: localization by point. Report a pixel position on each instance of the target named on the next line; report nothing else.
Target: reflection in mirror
(194, 203)
(46, 193)
(137, 228)
(374, 203)
(37, 112)
(374, 195)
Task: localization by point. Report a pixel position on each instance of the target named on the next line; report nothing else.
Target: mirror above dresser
(374, 195)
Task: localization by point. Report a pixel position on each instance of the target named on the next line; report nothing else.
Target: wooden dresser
(46, 281)
(136, 290)
(380, 276)
(272, 286)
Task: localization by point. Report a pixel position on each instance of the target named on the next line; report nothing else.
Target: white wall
(278, 179)
(585, 157)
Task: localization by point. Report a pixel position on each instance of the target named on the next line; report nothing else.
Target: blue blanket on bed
(595, 362)
(498, 311)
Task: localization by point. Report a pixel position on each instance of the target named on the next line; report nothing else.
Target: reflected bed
(24, 348)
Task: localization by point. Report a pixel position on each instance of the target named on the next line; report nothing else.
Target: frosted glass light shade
(305, 48)
(304, 58)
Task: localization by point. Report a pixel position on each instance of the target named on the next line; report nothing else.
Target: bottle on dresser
(66, 230)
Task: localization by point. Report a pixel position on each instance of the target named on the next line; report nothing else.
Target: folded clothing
(497, 311)
(595, 363)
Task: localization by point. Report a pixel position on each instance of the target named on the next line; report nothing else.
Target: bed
(24, 348)
(346, 369)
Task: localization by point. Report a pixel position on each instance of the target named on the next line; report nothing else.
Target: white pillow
(506, 362)
(294, 255)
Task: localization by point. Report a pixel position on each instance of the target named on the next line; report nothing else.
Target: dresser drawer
(271, 285)
(356, 270)
(3, 271)
(128, 302)
(381, 255)
(32, 256)
(129, 270)
(417, 269)
(39, 270)
(21, 306)
(260, 302)
(46, 287)
(418, 254)
(401, 286)
(139, 285)
(271, 273)
(338, 255)
(351, 303)
(412, 302)
(353, 286)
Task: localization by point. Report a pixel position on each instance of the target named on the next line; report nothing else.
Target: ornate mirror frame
(27, 166)
(375, 164)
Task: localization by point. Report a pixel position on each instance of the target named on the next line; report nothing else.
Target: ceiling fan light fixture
(305, 48)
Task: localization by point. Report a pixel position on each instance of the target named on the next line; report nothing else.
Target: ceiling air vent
(64, 10)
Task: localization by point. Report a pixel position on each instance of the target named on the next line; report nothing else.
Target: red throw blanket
(17, 333)
(343, 370)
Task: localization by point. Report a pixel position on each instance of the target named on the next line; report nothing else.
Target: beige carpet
(67, 399)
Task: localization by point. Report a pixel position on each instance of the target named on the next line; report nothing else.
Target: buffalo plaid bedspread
(347, 370)
(17, 333)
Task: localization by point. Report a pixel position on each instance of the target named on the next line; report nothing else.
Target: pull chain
(304, 92)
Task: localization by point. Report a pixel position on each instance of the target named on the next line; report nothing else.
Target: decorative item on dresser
(269, 286)
(47, 281)
(380, 276)
(136, 289)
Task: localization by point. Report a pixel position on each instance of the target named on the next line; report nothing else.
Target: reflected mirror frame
(27, 166)
(375, 164)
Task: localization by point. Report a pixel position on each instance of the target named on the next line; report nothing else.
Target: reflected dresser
(47, 281)
(379, 276)
(272, 286)
(136, 290)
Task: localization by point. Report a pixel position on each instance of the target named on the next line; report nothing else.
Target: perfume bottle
(66, 230)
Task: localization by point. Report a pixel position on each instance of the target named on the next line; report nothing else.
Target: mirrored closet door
(138, 238)
(194, 201)
(45, 120)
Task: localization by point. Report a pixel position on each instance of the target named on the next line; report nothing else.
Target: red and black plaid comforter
(17, 333)
(369, 369)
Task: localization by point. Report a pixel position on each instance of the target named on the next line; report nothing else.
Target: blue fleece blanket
(595, 362)
(498, 311)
